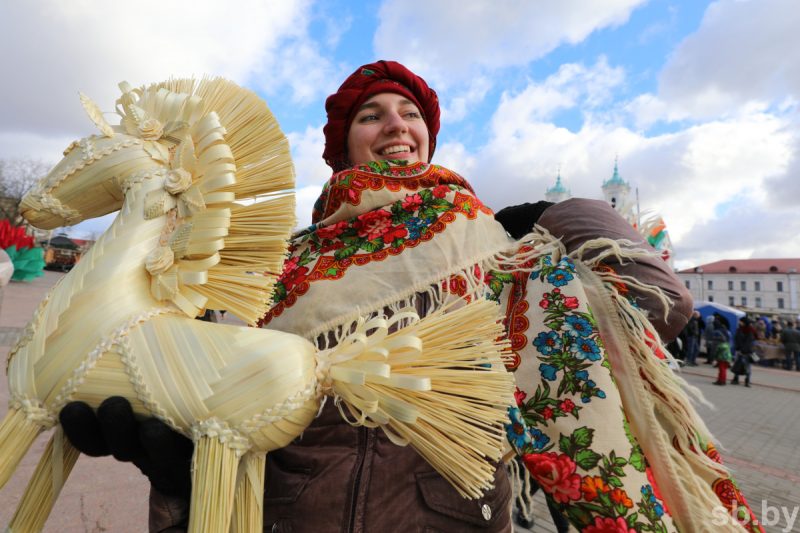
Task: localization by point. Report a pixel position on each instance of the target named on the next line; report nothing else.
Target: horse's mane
(247, 235)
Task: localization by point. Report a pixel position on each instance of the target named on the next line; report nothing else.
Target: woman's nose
(395, 123)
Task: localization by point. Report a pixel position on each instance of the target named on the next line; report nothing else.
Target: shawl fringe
(657, 401)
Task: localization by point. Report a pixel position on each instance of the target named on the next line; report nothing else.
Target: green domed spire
(615, 179)
(558, 187)
(557, 192)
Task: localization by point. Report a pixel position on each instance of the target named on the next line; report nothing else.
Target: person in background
(744, 342)
(790, 338)
(761, 329)
(722, 352)
(692, 338)
(712, 323)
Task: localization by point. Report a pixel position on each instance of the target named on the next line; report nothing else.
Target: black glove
(518, 220)
(163, 455)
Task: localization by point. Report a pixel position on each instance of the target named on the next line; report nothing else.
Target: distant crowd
(738, 347)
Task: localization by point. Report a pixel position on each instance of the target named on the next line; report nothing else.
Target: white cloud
(745, 230)
(455, 156)
(299, 63)
(21, 145)
(744, 50)
(647, 109)
(305, 197)
(572, 85)
(446, 41)
(311, 170)
(53, 49)
(459, 104)
(307, 149)
(783, 190)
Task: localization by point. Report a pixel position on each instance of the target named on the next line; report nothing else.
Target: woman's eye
(368, 118)
(413, 114)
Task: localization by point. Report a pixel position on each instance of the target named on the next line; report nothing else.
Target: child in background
(722, 354)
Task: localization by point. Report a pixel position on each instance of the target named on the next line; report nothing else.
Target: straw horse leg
(43, 489)
(248, 510)
(17, 433)
(214, 467)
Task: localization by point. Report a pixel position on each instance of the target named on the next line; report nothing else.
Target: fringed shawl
(601, 421)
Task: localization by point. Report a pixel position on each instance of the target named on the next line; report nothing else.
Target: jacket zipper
(362, 454)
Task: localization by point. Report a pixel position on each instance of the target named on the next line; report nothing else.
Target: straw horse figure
(121, 322)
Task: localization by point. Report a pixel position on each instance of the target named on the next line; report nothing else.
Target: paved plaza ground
(758, 428)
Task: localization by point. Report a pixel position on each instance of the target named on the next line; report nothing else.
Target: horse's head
(185, 163)
(89, 182)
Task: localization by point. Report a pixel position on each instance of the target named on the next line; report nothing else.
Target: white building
(756, 285)
(615, 192)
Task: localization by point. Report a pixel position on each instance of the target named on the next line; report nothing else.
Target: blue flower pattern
(414, 225)
(548, 342)
(560, 277)
(519, 434)
(572, 340)
(548, 371)
(578, 326)
(517, 431)
(585, 348)
(540, 440)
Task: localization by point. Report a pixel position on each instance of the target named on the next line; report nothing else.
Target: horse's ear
(96, 115)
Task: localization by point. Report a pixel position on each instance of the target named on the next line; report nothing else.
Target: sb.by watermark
(771, 515)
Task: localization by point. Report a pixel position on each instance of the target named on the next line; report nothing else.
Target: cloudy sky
(697, 99)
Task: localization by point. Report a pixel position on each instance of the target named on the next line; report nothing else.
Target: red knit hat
(365, 82)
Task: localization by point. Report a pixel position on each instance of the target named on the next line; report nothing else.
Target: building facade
(755, 285)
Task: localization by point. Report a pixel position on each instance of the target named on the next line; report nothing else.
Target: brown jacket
(339, 478)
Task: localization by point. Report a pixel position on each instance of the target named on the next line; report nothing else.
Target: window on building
(710, 284)
(743, 285)
(779, 286)
(710, 297)
(744, 300)
(757, 286)
(688, 284)
(758, 301)
(780, 303)
(730, 284)
(731, 300)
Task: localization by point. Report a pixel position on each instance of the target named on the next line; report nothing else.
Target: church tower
(615, 191)
(557, 193)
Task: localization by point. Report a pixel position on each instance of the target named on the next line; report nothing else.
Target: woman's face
(387, 126)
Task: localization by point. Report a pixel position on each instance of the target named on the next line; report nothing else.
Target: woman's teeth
(396, 149)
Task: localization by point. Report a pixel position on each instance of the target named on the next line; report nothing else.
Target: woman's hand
(163, 455)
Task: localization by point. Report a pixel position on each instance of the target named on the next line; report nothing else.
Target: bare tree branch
(17, 176)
